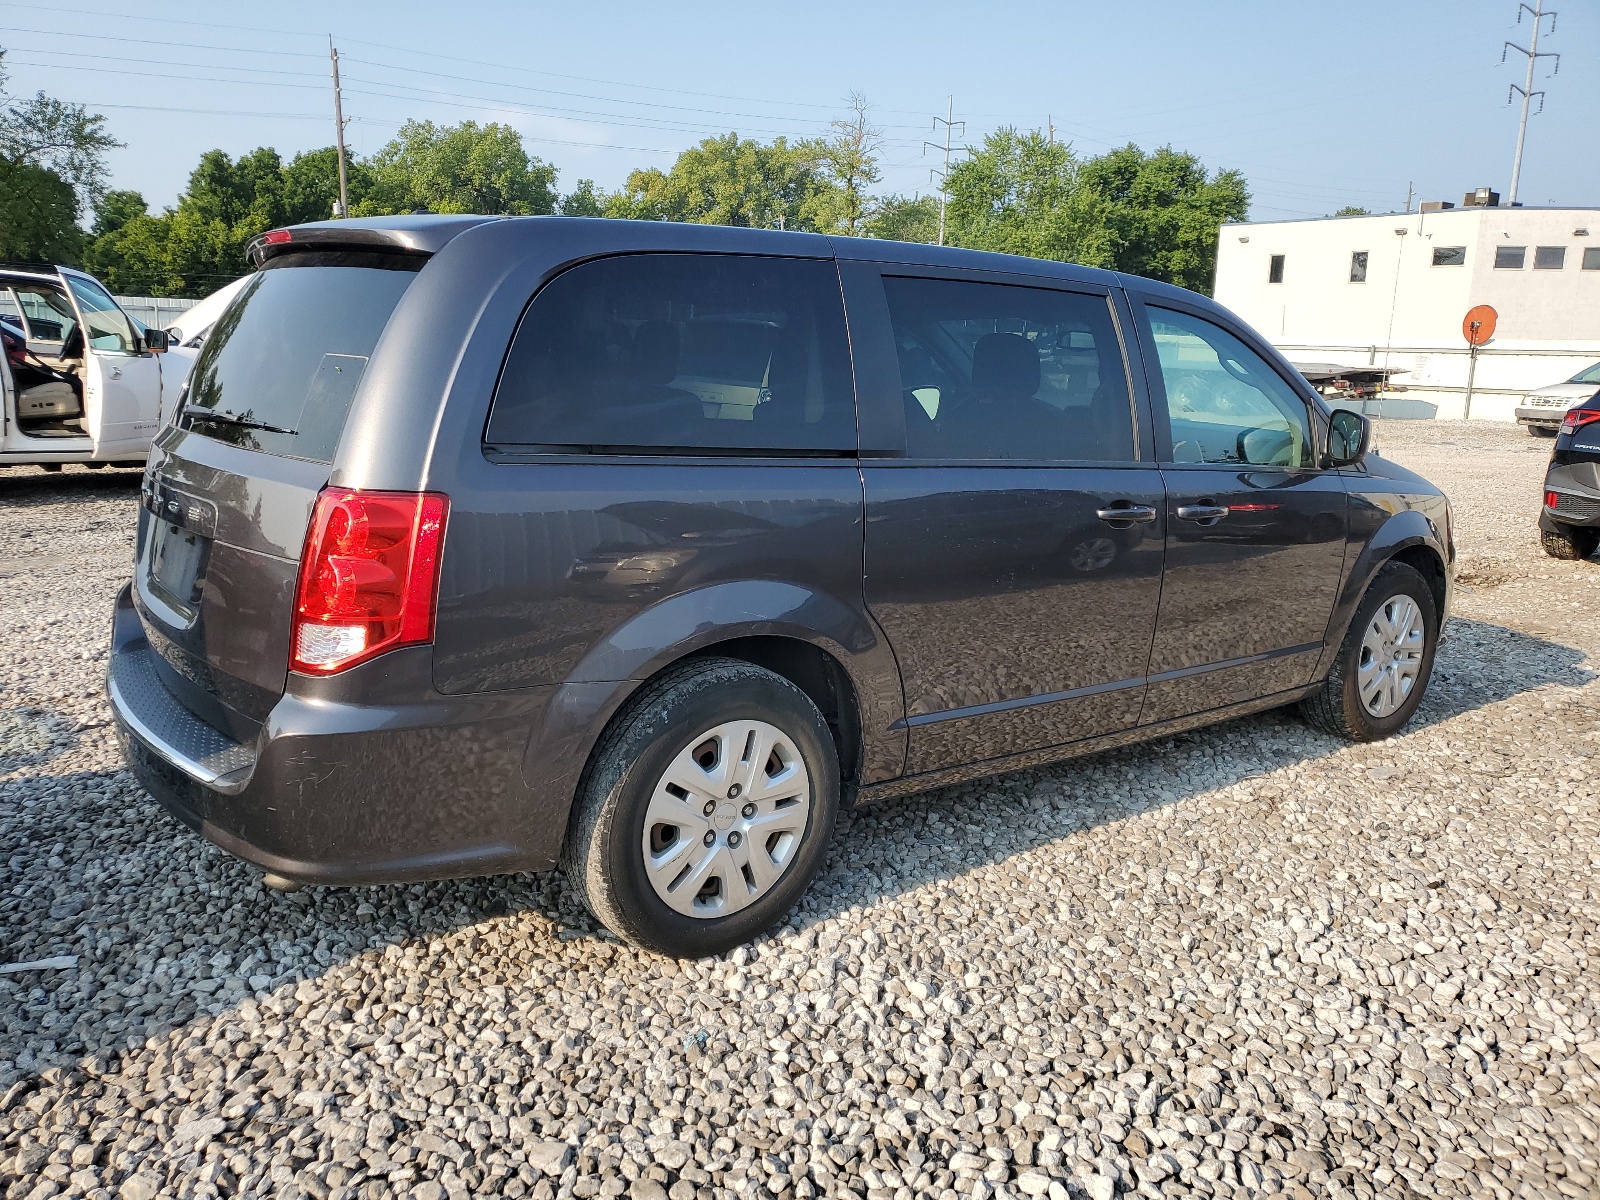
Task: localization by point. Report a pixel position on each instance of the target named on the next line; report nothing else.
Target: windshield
(280, 368)
(1588, 375)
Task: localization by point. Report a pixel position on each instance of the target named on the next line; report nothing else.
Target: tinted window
(681, 350)
(108, 328)
(990, 371)
(1587, 375)
(1226, 404)
(1549, 258)
(1449, 256)
(280, 368)
(1591, 258)
(1275, 269)
(47, 311)
(1358, 266)
(1510, 258)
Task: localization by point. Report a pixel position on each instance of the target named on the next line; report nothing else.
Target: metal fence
(157, 312)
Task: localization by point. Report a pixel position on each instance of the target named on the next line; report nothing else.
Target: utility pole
(338, 128)
(1050, 121)
(1410, 191)
(943, 176)
(1533, 55)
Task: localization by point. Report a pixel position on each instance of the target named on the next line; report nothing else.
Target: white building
(1393, 290)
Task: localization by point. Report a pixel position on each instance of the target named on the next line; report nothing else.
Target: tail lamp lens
(1577, 418)
(1552, 499)
(369, 577)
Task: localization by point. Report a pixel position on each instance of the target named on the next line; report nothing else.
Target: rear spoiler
(420, 234)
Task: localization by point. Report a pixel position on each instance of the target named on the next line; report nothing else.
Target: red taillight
(274, 236)
(368, 578)
(1552, 499)
(1577, 418)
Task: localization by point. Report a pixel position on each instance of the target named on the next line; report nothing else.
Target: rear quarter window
(659, 352)
(282, 364)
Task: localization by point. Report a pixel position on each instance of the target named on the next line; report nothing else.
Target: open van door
(122, 380)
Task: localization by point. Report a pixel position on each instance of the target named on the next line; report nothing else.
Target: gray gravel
(1250, 960)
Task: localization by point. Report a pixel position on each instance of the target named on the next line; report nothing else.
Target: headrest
(655, 353)
(1005, 366)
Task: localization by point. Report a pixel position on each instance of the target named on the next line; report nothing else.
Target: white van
(81, 381)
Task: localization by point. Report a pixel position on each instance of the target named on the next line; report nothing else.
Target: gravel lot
(1246, 961)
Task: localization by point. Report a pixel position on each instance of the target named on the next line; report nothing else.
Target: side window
(47, 313)
(105, 325)
(992, 371)
(1225, 403)
(660, 351)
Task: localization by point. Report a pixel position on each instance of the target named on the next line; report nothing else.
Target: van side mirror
(1349, 436)
(157, 341)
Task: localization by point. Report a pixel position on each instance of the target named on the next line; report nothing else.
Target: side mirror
(1349, 436)
(157, 341)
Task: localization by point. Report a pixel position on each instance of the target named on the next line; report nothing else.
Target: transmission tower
(1533, 54)
(943, 173)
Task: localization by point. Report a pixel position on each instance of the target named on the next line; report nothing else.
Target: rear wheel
(1378, 680)
(1564, 541)
(706, 810)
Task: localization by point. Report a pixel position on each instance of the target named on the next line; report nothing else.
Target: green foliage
(38, 216)
(465, 168)
(732, 181)
(1153, 214)
(1353, 210)
(66, 139)
(585, 200)
(1163, 212)
(905, 219)
(850, 159)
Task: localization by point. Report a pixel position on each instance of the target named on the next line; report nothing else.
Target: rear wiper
(195, 414)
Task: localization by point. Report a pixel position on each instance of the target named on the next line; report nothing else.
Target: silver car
(1542, 411)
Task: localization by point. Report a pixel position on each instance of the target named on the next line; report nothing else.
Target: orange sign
(1478, 325)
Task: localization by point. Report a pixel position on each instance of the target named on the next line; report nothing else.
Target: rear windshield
(280, 367)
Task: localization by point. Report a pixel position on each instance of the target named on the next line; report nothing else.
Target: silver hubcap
(726, 819)
(1391, 655)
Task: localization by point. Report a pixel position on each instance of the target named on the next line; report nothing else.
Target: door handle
(1122, 511)
(115, 372)
(1202, 512)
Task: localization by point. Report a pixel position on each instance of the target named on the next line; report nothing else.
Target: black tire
(1543, 430)
(1569, 543)
(603, 856)
(1336, 706)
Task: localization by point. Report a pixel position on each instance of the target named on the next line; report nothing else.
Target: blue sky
(1319, 105)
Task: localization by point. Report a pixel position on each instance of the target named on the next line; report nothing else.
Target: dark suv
(484, 545)
(1569, 524)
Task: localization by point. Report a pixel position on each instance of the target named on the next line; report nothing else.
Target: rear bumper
(370, 777)
(1551, 417)
(1578, 500)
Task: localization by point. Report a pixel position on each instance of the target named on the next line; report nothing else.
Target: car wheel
(1566, 542)
(1543, 430)
(706, 809)
(1383, 667)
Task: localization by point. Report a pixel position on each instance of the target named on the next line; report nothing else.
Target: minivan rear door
(234, 477)
(122, 381)
(1014, 535)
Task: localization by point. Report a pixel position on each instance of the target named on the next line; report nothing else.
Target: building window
(1510, 258)
(1591, 258)
(1275, 269)
(1549, 258)
(1449, 256)
(1358, 266)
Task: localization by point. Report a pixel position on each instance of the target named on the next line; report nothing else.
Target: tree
(465, 168)
(1019, 193)
(1353, 210)
(732, 181)
(38, 216)
(1162, 212)
(905, 219)
(850, 156)
(585, 200)
(64, 138)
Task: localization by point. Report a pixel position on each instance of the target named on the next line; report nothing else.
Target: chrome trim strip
(229, 784)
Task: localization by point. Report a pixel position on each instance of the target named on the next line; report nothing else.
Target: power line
(1533, 55)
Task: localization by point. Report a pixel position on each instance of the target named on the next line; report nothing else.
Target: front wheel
(1543, 430)
(1378, 680)
(1565, 541)
(706, 810)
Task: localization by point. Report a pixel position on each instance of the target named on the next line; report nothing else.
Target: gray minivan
(485, 545)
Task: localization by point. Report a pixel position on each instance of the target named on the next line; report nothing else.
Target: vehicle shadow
(24, 484)
(170, 932)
